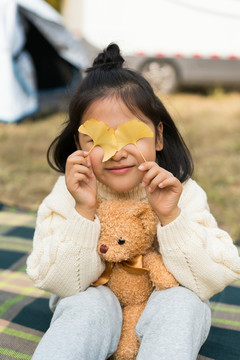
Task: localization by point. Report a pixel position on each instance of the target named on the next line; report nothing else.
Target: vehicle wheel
(161, 74)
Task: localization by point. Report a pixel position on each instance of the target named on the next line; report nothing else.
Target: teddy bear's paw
(127, 352)
(167, 281)
(128, 347)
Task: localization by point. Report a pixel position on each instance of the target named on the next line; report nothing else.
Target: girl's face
(120, 172)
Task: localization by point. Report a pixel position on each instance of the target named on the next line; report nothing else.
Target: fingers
(82, 173)
(155, 176)
(78, 166)
(78, 157)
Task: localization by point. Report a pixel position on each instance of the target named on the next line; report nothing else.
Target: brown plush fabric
(128, 229)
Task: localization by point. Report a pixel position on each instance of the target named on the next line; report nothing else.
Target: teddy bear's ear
(144, 212)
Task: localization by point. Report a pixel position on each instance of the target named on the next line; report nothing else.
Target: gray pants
(87, 326)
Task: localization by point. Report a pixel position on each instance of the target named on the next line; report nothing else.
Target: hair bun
(109, 59)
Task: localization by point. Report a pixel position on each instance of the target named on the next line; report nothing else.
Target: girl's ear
(159, 137)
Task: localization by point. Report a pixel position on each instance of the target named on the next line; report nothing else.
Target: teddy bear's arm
(160, 277)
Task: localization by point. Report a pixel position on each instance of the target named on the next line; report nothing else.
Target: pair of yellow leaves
(112, 141)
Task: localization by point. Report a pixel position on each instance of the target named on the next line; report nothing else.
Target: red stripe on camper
(197, 56)
(233, 57)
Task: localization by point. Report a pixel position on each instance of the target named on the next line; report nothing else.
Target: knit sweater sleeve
(64, 259)
(201, 256)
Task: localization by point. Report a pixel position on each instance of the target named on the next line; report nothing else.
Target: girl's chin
(121, 183)
(122, 186)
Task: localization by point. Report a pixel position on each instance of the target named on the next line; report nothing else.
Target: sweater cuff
(176, 234)
(81, 230)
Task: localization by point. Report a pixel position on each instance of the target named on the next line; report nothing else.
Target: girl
(87, 320)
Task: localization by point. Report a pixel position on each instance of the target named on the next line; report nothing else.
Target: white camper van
(172, 42)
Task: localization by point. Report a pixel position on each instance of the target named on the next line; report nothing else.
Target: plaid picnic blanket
(25, 314)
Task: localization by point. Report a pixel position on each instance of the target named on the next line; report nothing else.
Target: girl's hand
(81, 183)
(163, 191)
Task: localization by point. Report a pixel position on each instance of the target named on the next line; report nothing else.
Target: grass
(209, 124)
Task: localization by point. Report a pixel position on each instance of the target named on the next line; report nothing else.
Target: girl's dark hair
(107, 78)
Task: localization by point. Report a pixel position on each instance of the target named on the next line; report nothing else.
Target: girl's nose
(121, 154)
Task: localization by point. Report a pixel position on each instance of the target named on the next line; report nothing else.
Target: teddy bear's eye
(121, 241)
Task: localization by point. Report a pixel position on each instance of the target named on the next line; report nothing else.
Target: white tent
(39, 59)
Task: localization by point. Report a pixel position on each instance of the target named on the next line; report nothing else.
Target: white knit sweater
(64, 259)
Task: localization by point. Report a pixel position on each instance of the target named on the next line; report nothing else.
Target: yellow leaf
(112, 141)
(130, 132)
(102, 135)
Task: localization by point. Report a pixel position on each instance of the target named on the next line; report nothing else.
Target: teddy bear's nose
(103, 248)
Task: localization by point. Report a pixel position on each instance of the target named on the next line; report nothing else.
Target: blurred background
(189, 51)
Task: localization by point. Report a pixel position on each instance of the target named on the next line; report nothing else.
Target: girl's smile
(120, 169)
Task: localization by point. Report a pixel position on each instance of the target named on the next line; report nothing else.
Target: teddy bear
(133, 266)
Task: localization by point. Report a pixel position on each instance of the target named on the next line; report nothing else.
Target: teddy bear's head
(128, 228)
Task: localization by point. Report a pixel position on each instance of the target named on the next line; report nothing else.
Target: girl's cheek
(147, 147)
(89, 145)
(96, 155)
